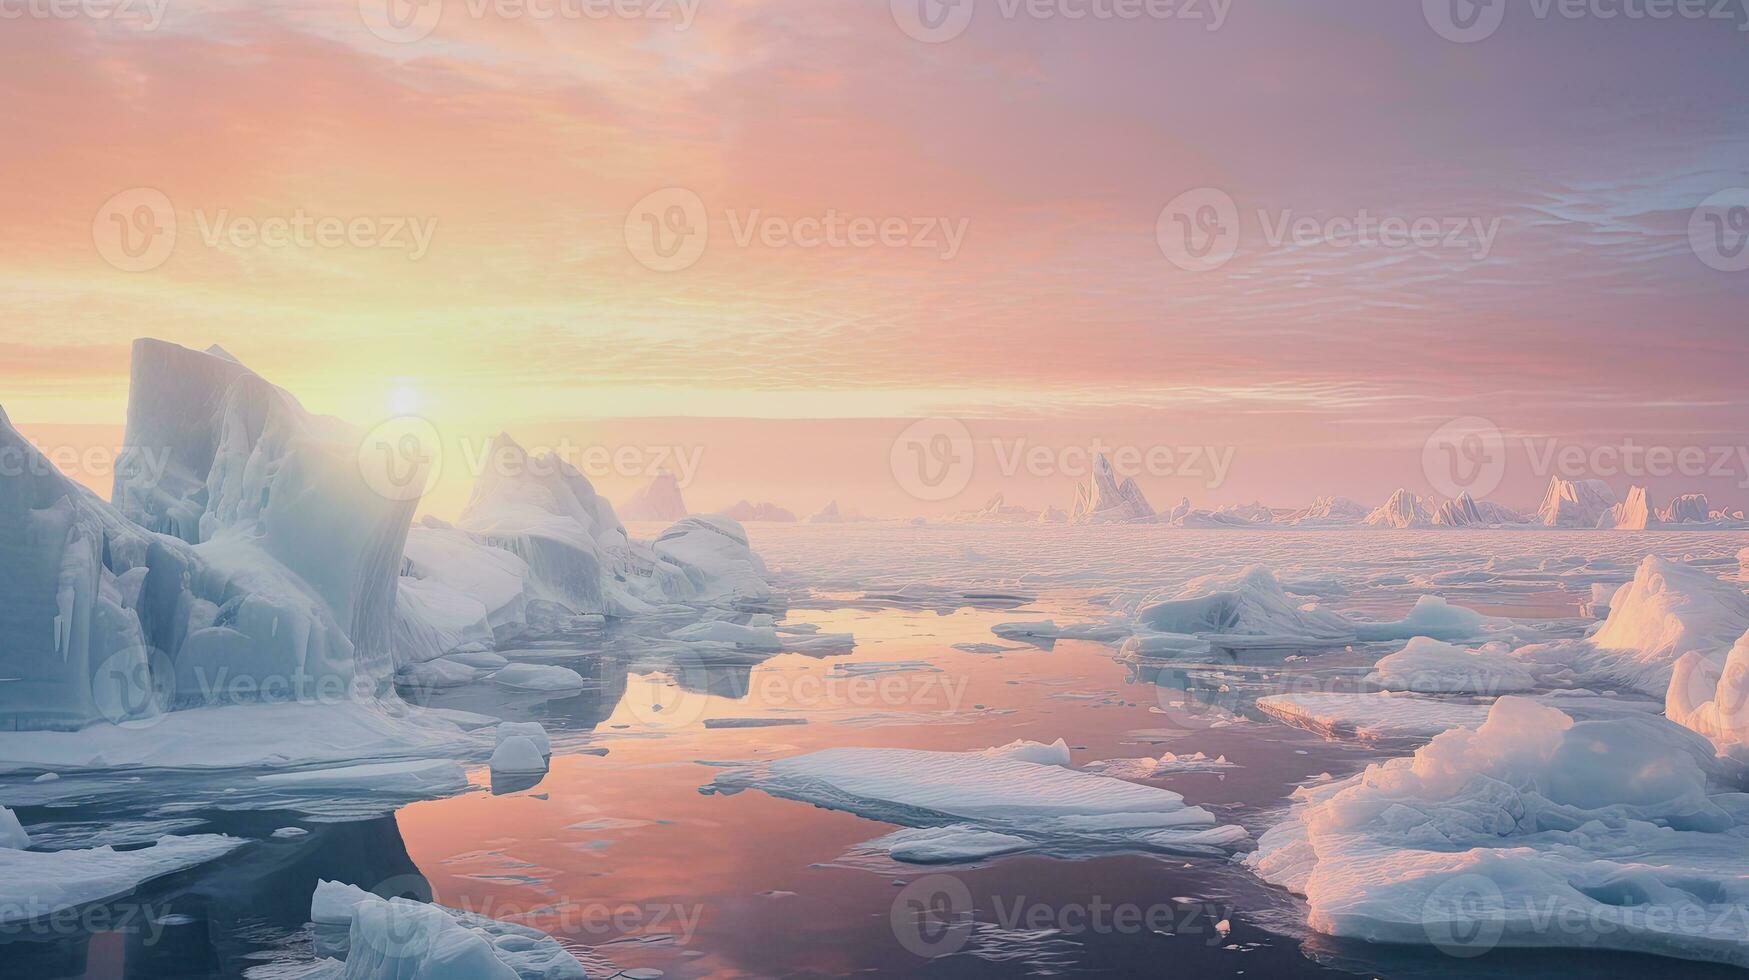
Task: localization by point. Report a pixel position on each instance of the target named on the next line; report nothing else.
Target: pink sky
(525, 142)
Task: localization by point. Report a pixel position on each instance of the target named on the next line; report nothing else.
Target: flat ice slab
(1372, 716)
(34, 884)
(995, 792)
(279, 735)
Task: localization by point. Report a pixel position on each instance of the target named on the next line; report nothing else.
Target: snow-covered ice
(1527, 830)
(1429, 666)
(1004, 791)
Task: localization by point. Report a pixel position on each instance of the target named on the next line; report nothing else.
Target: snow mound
(1002, 791)
(659, 500)
(1575, 504)
(36, 884)
(1527, 830)
(1428, 666)
(1245, 610)
(1103, 499)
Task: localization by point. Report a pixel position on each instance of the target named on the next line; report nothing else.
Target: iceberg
(1402, 510)
(456, 592)
(748, 513)
(1020, 791)
(1466, 511)
(1245, 610)
(1690, 508)
(830, 514)
(1575, 504)
(659, 500)
(1529, 829)
(1336, 511)
(1103, 499)
(1428, 666)
(1632, 514)
(258, 562)
(714, 558)
(540, 509)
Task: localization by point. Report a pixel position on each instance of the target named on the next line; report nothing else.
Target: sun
(404, 400)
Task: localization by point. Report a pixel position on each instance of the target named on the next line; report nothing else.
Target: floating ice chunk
(1048, 805)
(36, 884)
(436, 674)
(946, 845)
(760, 638)
(243, 736)
(518, 754)
(1432, 617)
(1045, 629)
(713, 553)
(12, 833)
(1163, 646)
(1431, 667)
(1038, 753)
(1486, 836)
(1245, 610)
(423, 778)
(530, 730)
(1166, 765)
(289, 833)
(859, 668)
(539, 677)
(820, 644)
(407, 940)
(1371, 717)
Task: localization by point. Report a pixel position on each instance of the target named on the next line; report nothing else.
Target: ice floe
(1429, 666)
(1021, 790)
(38, 884)
(1527, 830)
(366, 937)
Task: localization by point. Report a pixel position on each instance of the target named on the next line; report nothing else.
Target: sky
(767, 236)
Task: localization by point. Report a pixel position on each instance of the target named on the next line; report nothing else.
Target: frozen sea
(624, 854)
